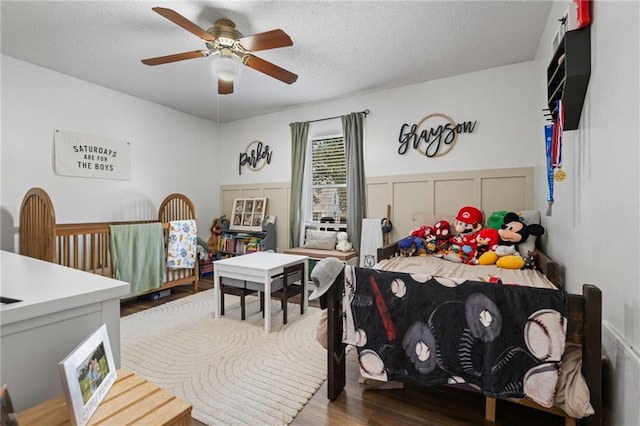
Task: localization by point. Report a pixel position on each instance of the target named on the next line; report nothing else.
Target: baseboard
(621, 379)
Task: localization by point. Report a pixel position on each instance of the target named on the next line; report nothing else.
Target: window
(328, 179)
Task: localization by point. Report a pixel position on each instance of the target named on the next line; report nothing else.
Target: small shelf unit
(239, 242)
(568, 75)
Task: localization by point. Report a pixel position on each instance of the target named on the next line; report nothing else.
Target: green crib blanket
(138, 255)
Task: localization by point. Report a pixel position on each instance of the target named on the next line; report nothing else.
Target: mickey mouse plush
(511, 233)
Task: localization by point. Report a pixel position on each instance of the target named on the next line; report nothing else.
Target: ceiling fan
(223, 40)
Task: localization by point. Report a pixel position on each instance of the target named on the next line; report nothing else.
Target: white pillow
(323, 240)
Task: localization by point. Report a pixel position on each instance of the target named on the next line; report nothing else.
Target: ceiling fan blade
(180, 20)
(177, 57)
(267, 40)
(225, 87)
(268, 68)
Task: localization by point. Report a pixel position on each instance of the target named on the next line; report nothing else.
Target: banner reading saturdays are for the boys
(91, 156)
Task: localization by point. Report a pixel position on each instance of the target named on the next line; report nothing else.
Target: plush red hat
(470, 215)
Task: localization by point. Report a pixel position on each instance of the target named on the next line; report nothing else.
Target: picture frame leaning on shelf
(87, 374)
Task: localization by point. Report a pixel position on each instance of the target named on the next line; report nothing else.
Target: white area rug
(230, 370)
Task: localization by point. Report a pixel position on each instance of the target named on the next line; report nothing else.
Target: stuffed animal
(442, 231)
(530, 260)
(463, 243)
(412, 246)
(213, 246)
(486, 240)
(468, 221)
(422, 232)
(512, 233)
(343, 242)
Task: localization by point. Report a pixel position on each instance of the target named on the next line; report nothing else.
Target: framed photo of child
(87, 374)
(248, 214)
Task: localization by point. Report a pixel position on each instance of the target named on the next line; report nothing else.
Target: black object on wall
(568, 75)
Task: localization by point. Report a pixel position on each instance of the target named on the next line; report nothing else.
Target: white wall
(501, 100)
(601, 159)
(170, 151)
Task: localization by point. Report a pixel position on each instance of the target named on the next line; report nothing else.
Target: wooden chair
(237, 288)
(289, 284)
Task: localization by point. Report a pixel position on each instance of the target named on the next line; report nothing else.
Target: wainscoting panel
(277, 195)
(434, 193)
(278, 205)
(451, 194)
(621, 379)
(507, 193)
(415, 193)
(378, 196)
(444, 193)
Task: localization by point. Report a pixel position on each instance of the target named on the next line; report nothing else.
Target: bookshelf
(239, 242)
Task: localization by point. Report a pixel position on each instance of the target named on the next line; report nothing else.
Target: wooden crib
(85, 246)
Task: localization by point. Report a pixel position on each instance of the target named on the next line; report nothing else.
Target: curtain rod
(365, 112)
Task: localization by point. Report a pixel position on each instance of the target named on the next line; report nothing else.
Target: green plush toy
(496, 219)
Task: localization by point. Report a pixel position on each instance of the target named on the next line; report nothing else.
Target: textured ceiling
(339, 48)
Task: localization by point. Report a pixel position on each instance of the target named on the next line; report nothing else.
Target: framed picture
(87, 374)
(248, 214)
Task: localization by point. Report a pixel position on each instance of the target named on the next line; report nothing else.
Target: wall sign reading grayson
(436, 140)
(255, 156)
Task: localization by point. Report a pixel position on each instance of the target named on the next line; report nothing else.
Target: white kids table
(258, 267)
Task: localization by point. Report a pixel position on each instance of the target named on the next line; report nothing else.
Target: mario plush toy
(468, 221)
(463, 243)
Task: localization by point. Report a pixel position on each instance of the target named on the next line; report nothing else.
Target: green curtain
(299, 133)
(353, 127)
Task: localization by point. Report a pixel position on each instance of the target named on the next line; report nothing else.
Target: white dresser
(59, 308)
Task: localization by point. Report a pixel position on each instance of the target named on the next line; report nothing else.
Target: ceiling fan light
(225, 68)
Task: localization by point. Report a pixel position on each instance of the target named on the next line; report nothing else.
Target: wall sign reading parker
(255, 156)
(433, 136)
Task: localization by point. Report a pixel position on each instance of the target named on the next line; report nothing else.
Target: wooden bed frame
(584, 328)
(85, 246)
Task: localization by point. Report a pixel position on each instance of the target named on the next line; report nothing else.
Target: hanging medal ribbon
(549, 136)
(558, 131)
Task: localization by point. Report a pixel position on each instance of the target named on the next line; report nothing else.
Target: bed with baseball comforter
(509, 334)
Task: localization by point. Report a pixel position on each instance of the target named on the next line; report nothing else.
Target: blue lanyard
(548, 139)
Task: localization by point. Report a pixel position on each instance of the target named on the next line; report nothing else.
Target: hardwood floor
(413, 405)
